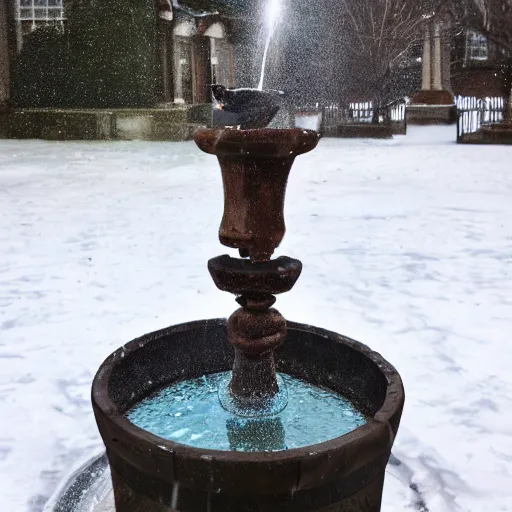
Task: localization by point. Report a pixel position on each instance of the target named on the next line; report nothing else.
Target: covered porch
(198, 43)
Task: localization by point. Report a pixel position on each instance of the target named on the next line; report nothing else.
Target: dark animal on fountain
(247, 108)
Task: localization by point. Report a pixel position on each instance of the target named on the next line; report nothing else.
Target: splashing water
(273, 10)
(190, 413)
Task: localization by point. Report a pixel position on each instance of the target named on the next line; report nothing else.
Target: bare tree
(492, 18)
(378, 35)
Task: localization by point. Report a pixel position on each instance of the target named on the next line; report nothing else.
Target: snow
(406, 245)
(308, 121)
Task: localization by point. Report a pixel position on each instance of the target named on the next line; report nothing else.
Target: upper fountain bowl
(246, 108)
(260, 143)
(255, 166)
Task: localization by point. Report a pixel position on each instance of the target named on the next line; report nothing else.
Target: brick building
(5, 51)
(463, 62)
(200, 46)
(199, 42)
(454, 62)
(477, 66)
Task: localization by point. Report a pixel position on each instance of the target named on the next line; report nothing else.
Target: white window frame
(478, 47)
(38, 13)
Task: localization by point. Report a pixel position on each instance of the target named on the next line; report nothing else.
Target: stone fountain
(342, 473)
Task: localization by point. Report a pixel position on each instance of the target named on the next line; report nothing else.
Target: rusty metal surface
(244, 277)
(255, 166)
(255, 330)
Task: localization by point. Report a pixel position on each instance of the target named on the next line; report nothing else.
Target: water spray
(272, 15)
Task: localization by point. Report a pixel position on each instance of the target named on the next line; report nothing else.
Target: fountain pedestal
(255, 167)
(255, 330)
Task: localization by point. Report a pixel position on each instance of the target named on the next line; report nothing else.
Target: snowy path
(406, 244)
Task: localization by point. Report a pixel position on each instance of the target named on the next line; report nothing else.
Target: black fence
(473, 113)
(329, 117)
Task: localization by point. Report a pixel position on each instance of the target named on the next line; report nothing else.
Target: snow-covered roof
(212, 7)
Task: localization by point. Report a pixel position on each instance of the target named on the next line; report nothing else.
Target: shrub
(112, 53)
(39, 70)
(105, 59)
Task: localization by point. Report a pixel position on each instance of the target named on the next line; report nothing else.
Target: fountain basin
(149, 473)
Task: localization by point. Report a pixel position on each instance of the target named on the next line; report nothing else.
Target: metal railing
(333, 115)
(473, 113)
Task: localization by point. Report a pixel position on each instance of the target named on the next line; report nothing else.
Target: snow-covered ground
(406, 244)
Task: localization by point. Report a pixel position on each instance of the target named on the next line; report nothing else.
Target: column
(426, 61)
(446, 51)
(437, 84)
(167, 61)
(202, 68)
(19, 30)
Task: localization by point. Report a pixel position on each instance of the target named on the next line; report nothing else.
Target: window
(32, 13)
(220, 52)
(183, 62)
(220, 55)
(183, 82)
(478, 46)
